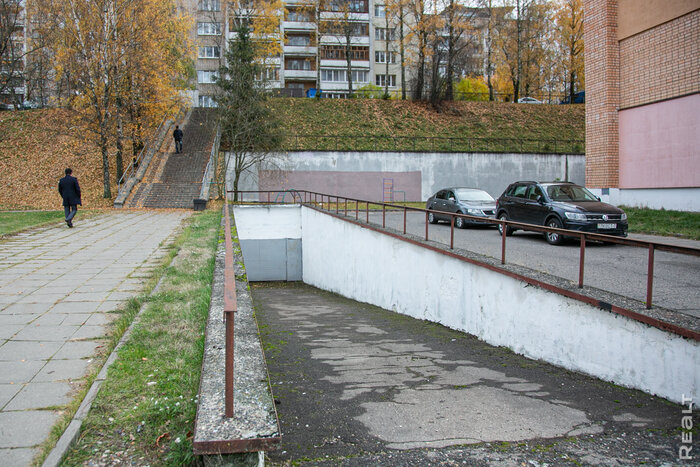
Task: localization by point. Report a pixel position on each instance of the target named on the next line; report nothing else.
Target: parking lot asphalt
(358, 385)
(59, 288)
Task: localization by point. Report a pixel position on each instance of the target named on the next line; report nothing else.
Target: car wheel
(431, 218)
(554, 238)
(509, 230)
(459, 222)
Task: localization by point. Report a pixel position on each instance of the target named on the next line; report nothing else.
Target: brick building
(643, 102)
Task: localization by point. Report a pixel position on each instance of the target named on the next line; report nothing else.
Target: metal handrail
(230, 307)
(204, 191)
(312, 198)
(135, 163)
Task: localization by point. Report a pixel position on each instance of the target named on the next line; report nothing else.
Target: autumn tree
(11, 47)
(569, 27)
(248, 127)
(398, 11)
(458, 23)
(118, 54)
(423, 34)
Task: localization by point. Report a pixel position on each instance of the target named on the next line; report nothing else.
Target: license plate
(607, 226)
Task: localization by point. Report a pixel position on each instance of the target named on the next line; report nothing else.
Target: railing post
(452, 232)
(346, 207)
(383, 215)
(650, 275)
(503, 242)
(404, 219)
(426, 226)
(367, 220)
(228, 409)
(357, 210)
(582, 257)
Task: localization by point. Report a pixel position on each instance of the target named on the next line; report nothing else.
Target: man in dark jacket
(177, 136)
(69, 190)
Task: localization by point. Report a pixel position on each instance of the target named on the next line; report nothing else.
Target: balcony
(355, 64)
(299, 50)
(307, 75)
(298, 26)
(340, 40)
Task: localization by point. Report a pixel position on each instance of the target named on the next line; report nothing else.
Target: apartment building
(313, 51)
(12, 60)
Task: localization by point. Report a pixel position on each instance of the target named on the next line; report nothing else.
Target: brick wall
(660, 63)
(602, 93)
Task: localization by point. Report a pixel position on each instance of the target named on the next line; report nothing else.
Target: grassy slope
(35, 148)
(405, 118)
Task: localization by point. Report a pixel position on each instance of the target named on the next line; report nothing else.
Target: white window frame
(208, 29)
(209, 51)
(206, 76)
(207, 101)
(379, 11)
(209, 5)
(380, 80)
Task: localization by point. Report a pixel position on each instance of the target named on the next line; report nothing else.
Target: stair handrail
(206, 179)
(131, 168)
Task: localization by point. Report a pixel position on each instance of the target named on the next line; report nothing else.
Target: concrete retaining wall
(418, 175)
(374, 268)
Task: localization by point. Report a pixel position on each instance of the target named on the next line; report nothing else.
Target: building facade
(643, 102)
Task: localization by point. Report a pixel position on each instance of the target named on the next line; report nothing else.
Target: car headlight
(575, 216)
(475, 212)
(623, 217)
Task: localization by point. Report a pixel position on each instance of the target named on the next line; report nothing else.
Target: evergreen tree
(249, 129)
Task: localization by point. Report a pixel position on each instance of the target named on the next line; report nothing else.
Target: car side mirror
(540, 199)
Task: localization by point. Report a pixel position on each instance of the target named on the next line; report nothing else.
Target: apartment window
(297, 16)
(341, 76)
(210, 5)
(340, 29)
(206, 76)
(207, 101)
(353, 6)
(381, 80)
(384, 57)
(297, 64)
(209, 29)
(301, 41)
(209, 52)
(384, 34)
(268, 74)
(338, 53)
(379, 11)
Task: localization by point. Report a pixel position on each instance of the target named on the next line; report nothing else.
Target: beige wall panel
(635, 16)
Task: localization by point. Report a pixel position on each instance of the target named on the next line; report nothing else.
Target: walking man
(177, 135)
(69, 190)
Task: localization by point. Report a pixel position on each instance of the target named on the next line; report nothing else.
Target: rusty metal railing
(333, 202)
(230, 308)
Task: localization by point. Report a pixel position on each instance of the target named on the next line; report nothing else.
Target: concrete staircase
(174, 180)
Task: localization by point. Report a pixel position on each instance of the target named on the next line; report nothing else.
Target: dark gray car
(470, 201)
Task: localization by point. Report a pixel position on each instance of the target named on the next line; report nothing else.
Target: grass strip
(144, 413)
(12, 222)
(662, 222)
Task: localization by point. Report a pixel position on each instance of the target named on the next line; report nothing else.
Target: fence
(383, 143)
(348, 207)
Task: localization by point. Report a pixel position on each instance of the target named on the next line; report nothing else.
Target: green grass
(145, 409)
(13, 222)
(392, 125)
(662, 222)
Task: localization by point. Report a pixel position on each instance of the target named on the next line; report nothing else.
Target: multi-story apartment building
(314, 50)
(12, 53)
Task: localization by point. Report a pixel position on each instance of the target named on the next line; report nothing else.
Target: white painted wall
(679, 199)
(370, 267)
(268, 222)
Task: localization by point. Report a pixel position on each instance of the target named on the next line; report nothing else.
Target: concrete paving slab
(86, 297)
(18, 456)
(48, 333)
(9, 330)
(28, 350)
(25, 429)
(110, 305)
(35, 297)
(40, 396)
(77, 350)
(101, 319)
(25, 308)
(9, 319)
(89, 332)
(75, 307)
(17, 372)
(61, 370)
(7, 392)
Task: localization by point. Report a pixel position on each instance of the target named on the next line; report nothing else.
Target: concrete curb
(73, 430)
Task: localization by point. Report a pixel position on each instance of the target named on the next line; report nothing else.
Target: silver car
(470, 201)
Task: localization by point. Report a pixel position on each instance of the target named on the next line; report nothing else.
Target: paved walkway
(57, 287)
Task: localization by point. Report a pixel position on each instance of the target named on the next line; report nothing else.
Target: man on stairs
(177, 136)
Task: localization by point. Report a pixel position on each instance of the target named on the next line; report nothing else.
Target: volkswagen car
(471, 201)
(561, 205)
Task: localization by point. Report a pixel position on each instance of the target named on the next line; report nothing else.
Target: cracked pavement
(358, 385)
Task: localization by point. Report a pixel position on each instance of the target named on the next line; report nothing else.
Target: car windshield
(569, 193)
(473, 195)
